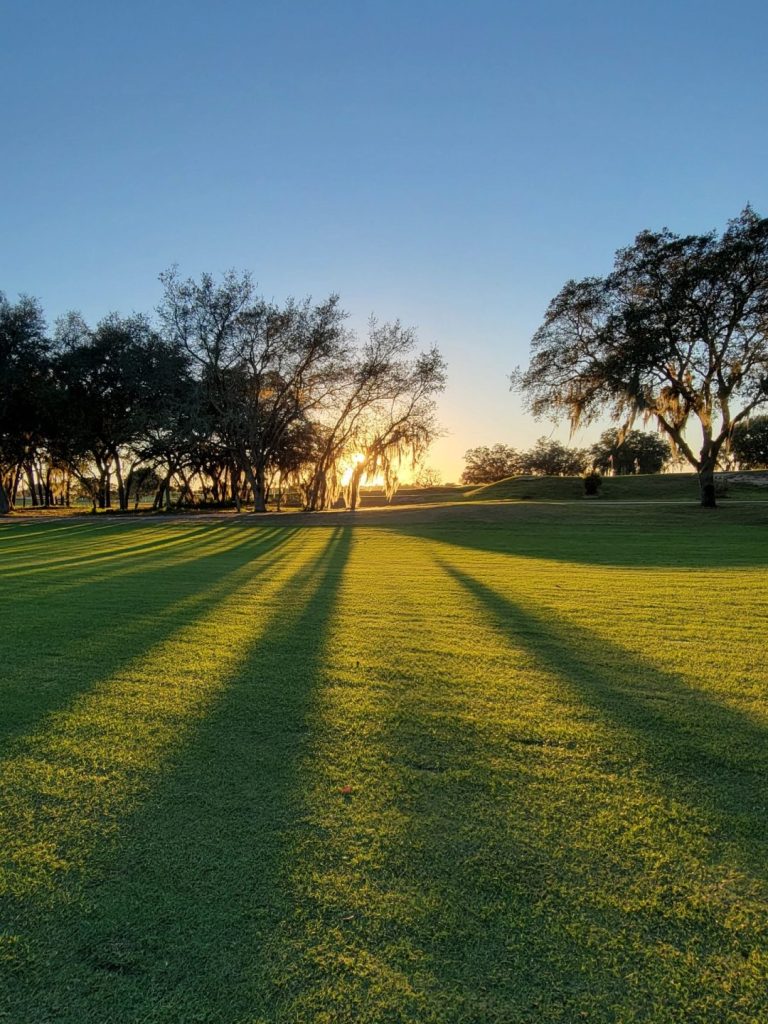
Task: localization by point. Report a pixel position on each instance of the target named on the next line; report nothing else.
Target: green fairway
(463, 765)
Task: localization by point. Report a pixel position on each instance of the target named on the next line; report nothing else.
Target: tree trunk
(256, 482)
(13, 492)
(122, 490)
(353, 490)
(5, 505)
(186, 493)
(316, 498)
(105, 487)
(707, 484)
(217, 493)
(41, 493)
(234, 487)
(31, 484)
(130, 480)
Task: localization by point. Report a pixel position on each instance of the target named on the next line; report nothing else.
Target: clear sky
(447, 163)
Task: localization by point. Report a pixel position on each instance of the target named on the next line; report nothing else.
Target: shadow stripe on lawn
(70, 783)
(175, 921)
(49, 662)
(706, 754)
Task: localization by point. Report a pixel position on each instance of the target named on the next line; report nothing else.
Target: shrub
(592, 483)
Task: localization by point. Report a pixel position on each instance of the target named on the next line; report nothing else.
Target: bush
(592, 483)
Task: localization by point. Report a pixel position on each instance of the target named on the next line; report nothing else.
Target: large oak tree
(677, 333)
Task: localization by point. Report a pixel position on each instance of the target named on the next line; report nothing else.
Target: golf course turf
(479, 765)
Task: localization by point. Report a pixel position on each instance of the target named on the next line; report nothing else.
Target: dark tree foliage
(24, 384)
(550, 458)
(676, 333)
(115, 383)
(485, 465)
(635, 452)
(264, 367)
(546, 458)
(749, 444)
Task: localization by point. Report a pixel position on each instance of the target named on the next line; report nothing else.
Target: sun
(354, 460)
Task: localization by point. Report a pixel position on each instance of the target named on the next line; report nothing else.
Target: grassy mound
(652, 487)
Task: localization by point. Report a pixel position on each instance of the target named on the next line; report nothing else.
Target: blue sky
(451, 164)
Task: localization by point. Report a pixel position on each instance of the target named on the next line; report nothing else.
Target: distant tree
(676, 333)
(428, 476)
(485, 465)
(637, 452)
(749, 444)
(550, 458)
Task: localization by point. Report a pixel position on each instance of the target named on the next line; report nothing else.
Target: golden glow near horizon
(355, 460)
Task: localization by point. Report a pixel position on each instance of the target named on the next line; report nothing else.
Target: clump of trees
(615, 453)
(546, 458)
(223, 397)
(749, 445)
(550, 458)
(676, 334)
(485, 465)
(428, 477)
(634, 452)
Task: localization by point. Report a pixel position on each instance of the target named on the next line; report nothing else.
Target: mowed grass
(650, 487)
(444, 771)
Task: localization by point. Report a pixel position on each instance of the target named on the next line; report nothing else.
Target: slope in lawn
(651, 487)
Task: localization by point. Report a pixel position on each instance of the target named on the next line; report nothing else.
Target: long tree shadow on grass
(447, 888)
(108, 558)
(498, 893)
(87, 632)
(709, 756)
(175, 923)
(131, 546)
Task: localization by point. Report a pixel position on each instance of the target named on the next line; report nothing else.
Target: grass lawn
(652, 487)
(508, 766)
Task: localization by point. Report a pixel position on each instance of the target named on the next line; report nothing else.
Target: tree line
(225, 397)
(221, 397)
(614, 453)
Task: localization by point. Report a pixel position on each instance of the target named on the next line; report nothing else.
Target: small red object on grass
(345, 790)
